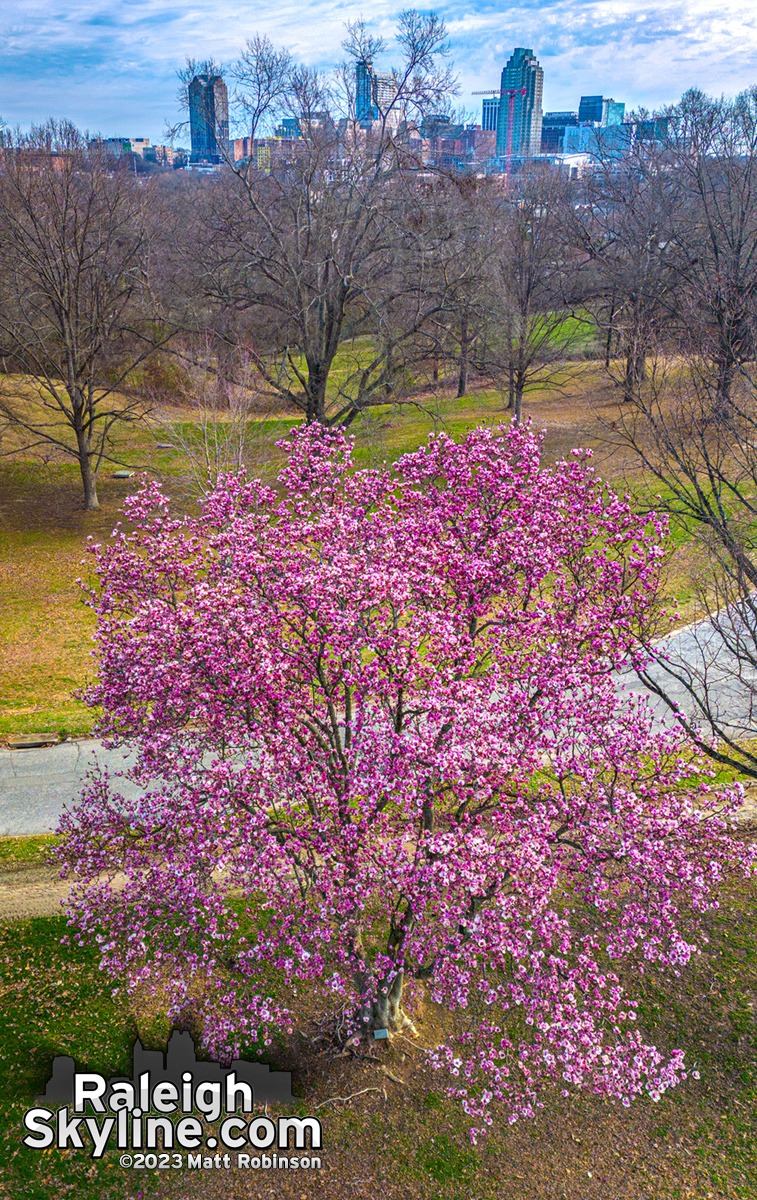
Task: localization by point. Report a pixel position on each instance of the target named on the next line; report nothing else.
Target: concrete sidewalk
(37, 785)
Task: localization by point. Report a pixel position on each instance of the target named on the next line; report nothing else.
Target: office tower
(373, 93)
(599, 110)
(590, 110)
(365, 109)
(553, 129)
(384, 91)
(489, 113)
(208, 118)
(519, 117)
(613, 112)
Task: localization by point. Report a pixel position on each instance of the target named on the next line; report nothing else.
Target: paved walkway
(36, 785)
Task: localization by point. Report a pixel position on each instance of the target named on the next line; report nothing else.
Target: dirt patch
(30, 891)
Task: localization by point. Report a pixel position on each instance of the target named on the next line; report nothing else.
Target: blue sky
(109, 65)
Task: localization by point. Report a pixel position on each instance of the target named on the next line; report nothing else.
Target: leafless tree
(704, 470)
(326, 246)
(531, 269)
(712, 147)
(77, 314)
(692, 423)
(263, 77)
(627, 231)
(457, 210)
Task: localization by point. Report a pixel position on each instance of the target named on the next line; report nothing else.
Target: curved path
(36, 785)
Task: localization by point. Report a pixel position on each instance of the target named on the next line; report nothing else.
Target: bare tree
(263, 76)
(76, 313)
(712, 146)
(457, 210)
(692, 422)
(705, 473)
(531, 269)
(628, 232)
(326, 245)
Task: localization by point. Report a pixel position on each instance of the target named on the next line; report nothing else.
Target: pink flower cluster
(382, 749)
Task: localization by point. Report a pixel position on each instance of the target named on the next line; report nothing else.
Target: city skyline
(112, 68)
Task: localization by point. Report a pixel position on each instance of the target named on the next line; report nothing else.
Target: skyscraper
(373, 93)
(519, 116)
(613, 112)
(365, 109)
(208, 118)
(489, 111)
(590, 109)
(600, 110)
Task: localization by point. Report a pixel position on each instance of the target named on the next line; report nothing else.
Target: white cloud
(111, 65)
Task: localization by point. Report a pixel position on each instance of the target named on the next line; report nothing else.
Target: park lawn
(45, 629)
(54, 1000)
(402, 1139)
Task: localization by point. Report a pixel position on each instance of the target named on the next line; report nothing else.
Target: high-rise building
(590, 110)
(553, 129)
(373, 93)
(365, 109)
(384, 91)
(208, 118)
(613, 112)
(489, 111)
(600, 110)
(519, 117)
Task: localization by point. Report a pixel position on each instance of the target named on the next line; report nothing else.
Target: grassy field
(45, 629)
(405, 1140)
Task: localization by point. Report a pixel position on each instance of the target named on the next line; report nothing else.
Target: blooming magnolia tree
(384, 758)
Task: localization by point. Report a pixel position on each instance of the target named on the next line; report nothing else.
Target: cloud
(111, 65)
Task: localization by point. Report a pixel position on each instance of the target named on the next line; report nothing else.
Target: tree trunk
(610, 331)
(636, 369)
(462, 378)
(726, 374)
(386, 1011)
(388, 372)
(518, 399)
(511, 386)
(88, 476)
(318, 375)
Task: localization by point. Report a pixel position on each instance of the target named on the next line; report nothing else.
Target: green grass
(443, 1159)
(26, 851)
(45, 629)
(53, 1000)
(46, 632)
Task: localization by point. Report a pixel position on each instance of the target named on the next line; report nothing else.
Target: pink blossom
(383, 756)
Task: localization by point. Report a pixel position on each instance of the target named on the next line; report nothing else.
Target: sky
(110, 65)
